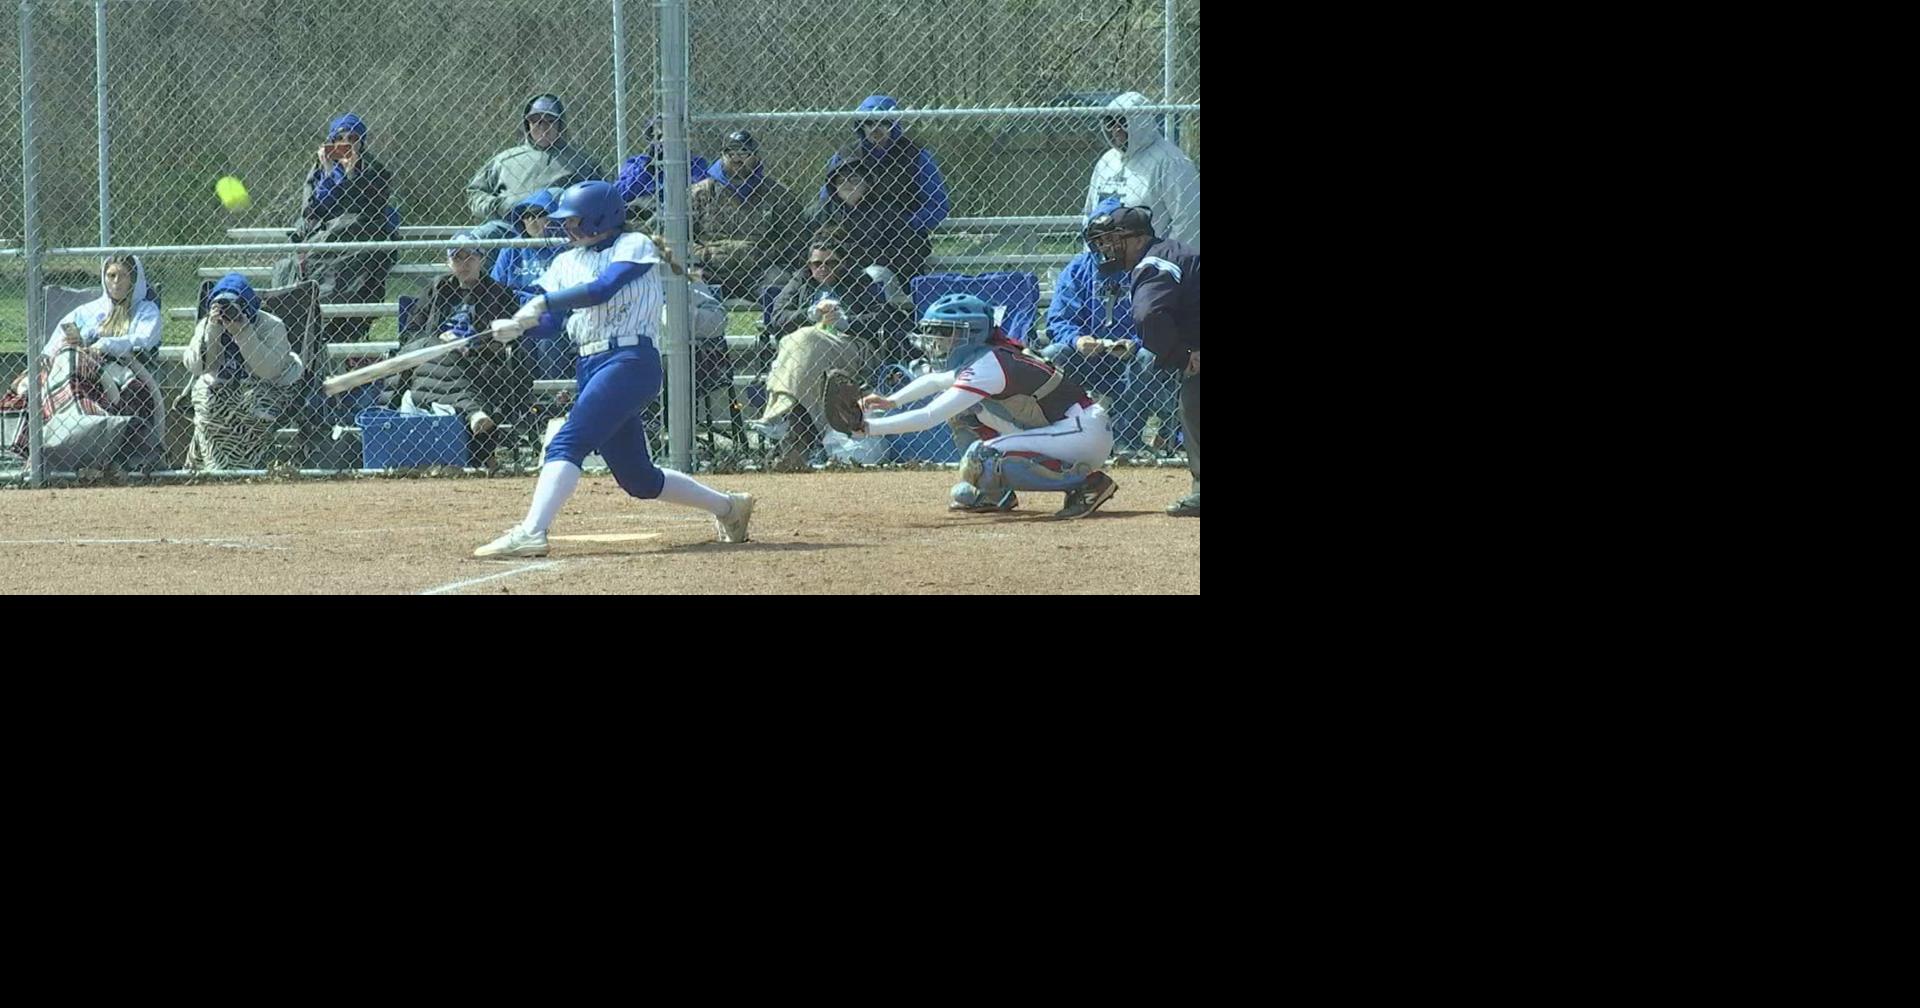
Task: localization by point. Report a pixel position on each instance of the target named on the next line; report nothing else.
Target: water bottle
(820, 309)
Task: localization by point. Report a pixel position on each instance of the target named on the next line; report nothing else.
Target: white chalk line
(443, 589)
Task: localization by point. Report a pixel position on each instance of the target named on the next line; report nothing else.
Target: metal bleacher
(993, 241)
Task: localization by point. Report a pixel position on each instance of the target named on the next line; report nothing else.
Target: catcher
(1038, 431)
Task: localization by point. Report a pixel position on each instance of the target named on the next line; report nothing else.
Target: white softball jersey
(634, 310)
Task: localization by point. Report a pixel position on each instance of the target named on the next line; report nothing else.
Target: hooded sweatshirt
(143, 323)
(640, 174)
(877, 231)
(259, 350)
(518, 268)
(905, 178)
(513, 174)
(1152, 172)
(343, 207)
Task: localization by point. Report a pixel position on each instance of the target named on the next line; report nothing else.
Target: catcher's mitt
(842, 395)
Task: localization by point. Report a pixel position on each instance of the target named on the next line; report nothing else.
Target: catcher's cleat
(515, 543)
(1185, 507)
(1006, 503)
(1086, 500)
(733, 527)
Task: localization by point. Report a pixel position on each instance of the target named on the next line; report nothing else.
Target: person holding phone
(348, 197)
(122, 320)
(241, 371)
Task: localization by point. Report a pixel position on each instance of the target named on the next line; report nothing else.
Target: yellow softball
(233, 195)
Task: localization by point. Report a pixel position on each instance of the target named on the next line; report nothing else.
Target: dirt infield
(830, 532)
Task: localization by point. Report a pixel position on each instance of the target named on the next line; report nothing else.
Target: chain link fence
(347, 233)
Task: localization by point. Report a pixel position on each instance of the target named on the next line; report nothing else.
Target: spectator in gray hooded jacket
(546, 160)
(1145, 169)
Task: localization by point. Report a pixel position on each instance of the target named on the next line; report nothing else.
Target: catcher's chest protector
(1036, 395)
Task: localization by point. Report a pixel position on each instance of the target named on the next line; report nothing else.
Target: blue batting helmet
(596, 203)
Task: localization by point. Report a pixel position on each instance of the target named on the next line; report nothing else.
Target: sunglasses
(823, 262)
(876, 122)
(465, 253)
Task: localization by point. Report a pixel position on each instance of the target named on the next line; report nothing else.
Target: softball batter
(606, 292)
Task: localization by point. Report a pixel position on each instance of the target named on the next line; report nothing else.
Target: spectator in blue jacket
(904, 184)
(519, 268)
(348, 198)
(1093, 340)
(639, 182)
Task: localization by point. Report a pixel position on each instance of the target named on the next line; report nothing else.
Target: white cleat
(732, 528)
(515, 543)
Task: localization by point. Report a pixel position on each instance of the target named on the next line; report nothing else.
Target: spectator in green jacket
(547, 159)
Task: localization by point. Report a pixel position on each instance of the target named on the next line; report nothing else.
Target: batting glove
(529, 314)
(506, 330)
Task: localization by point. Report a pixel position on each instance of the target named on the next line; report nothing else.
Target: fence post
(34, 251)
(619, 86)
(1166, 72)
(678, 348)
(100, 100)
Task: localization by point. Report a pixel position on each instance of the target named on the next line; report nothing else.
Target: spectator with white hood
(1145, 169)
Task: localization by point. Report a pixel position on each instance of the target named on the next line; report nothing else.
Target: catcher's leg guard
(1001, 471)
(970, 463)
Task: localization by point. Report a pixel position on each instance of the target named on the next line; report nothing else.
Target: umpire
(1165, 277)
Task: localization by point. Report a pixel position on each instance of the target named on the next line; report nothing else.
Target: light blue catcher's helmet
(596, 203)
(955, 328)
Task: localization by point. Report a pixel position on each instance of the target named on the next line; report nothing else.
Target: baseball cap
(740, 140)
(1124, 220)
(465, 236)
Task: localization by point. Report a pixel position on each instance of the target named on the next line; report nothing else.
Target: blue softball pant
(615, 389)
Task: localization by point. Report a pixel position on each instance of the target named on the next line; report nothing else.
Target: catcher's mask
(952, 324)
(1107, 232)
